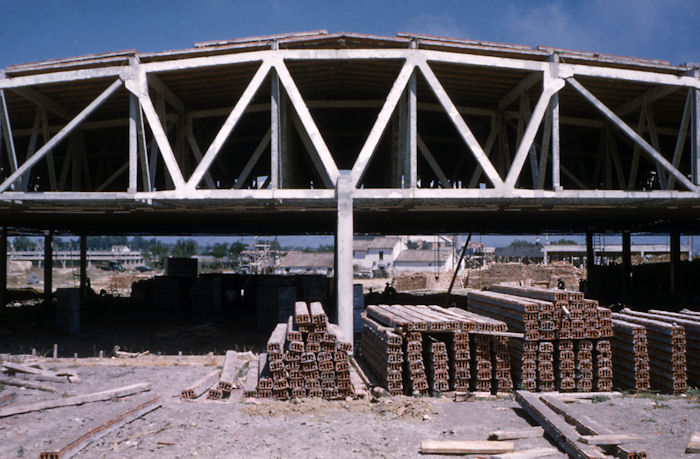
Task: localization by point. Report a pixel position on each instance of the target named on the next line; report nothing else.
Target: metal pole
(48, 268)
(83, 266)
(675, 264)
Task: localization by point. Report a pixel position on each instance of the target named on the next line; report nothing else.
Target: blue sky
(35, 30)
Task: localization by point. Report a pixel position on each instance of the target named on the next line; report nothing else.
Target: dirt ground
(390, 427)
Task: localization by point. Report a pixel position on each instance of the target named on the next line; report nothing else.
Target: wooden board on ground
(693, 444)
(77, 400)
(608, 439)
(527, 454)
(465, 447)
(530, 432)
(564, 434)
(95, 434)
(18, 382)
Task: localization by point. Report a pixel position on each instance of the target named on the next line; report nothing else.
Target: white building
(306, 263)
(435, 261)
(375, 254)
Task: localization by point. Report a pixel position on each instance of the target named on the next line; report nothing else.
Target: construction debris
(95, 434)
(630, 355)
(77, 400)
(693, 444)
(26, 384)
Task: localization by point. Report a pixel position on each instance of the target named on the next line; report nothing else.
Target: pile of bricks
(566, 344)
(630, 355)
(382, 350)
(667, 354)
(306, 357)
(436, 348)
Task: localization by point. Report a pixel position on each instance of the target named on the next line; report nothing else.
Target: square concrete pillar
(343, 254)
(626, 266)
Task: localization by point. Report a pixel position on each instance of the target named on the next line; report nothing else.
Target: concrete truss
(162, 152)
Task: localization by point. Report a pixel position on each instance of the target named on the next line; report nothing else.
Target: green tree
(156, 253)
(220, 251)
(411, 245)
(184, 248)
(139, 243)
(521, 243)
(23, 243)
(564, 242)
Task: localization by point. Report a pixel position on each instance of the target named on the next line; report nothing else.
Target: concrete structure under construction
(341, 133)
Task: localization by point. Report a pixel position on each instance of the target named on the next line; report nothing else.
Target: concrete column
(83, 266)
(3, 267)
(626, 266)
(343, 254)
(675, 263)
(695, 135)
(48, 267)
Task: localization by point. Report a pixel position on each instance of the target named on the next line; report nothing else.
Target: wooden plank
(608, 439)
(77, 400)
(528, 454)
(590, 426)
(465, 447)
(17, 382)
(201, 385)
(693, 444)
(530, 432)
(7, 399)
(564, 434)
(79, 444)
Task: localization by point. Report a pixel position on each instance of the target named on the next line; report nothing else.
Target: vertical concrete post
(83, 266)
(275, 131)
(343, 254)
(626, 266)
(48, 267)
(3, 267)
(695, 135)
(675, 236)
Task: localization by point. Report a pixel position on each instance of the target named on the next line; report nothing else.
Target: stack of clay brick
(306, 357)
(630, 355)
(436, 348)
(667, 335)
(566, 343)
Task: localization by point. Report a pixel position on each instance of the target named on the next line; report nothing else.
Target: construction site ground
(385, 427)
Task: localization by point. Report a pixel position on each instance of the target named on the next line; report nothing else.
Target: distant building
(120, 249)
(306, 263)
(519, 254)
(375, 255)
(437, 261)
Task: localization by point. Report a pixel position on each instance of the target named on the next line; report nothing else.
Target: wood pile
(566, 343)
(306, 357)
(667, 350)
(441, 349)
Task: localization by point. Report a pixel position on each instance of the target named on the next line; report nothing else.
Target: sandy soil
(391, 427)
